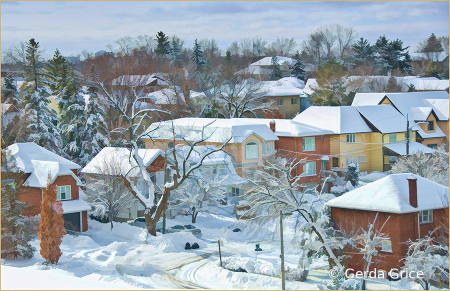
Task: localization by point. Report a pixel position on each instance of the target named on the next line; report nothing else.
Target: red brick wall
(84, 220)
(292, 147)
(33, 196)
(68, 180)
(400, 228)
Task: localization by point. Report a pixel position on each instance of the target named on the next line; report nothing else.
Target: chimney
(412, 183)
(272, 125)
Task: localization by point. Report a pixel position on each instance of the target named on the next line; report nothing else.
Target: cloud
(10, 3)
(12, 11)
(12, 28)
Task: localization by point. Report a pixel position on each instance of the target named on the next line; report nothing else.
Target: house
(360, 132)
(409, 206)
(218, 166)
(261, 69)
(248, 144)
(9, 111)
(302, 141)
(430, 110)
(287, 94)
(38, 163)
(113, 162)
(146, 83)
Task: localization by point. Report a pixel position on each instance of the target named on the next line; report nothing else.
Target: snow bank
(123, 230)
(175, 242)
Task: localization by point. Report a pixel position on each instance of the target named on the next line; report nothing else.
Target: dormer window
(431, 125)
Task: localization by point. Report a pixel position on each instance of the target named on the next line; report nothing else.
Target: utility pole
(283, 275)
(163, 230)
(407, 136)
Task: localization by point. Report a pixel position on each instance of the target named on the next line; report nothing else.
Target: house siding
(400, 228)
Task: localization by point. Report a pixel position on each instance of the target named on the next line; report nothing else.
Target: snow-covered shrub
(353, 173)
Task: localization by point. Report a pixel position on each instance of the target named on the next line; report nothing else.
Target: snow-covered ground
(125, 258)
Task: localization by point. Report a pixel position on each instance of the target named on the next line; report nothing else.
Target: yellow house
(249, 142)
(361, 134)
(427, 111)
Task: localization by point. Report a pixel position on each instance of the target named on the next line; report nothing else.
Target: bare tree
(282, 47)
(210, 48)
(182, 169)
(15, 53)
(345, 38)
(246, 47)
(242, 97)
(259, 46)
(105, 188)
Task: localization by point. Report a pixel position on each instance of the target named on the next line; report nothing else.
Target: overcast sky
(75, 26)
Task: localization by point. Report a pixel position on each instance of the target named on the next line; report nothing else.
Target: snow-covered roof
(384, 117)
(31, 158)
(425, 84)
(288, 86)
(289, 127)
(391, 194)
(76, 205)
(138, 80)
(168, 96)
(217, 130)
(253, 70)
(405, 102)
(423, 134)
(414, 148)
(267, 61)
(310, 85)
(338, 119)
(118, 161)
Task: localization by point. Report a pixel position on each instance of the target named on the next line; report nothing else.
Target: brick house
(412, 206)
(38, 163)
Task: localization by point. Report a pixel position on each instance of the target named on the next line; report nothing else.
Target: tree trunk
(194, 217)
(150, 224)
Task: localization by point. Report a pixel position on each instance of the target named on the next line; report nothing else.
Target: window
(335, 161)
(280, 101)
(309, 168)
(426, 216)
(432, 146)
(293, 100)
(267, 147)
(321, 138)
(392, 137)
(251, 150)
(351, 137)
(234, 191)
(214, 170)
(309, 144)
(386, 245)
(393, 160)
(170, 145)
(431, 125)
(63, 193)
(362, 159)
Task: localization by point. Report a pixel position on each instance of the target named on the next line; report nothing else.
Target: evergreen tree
(51, 226)
(275, 73)
(176, 53)
(163, 45)
(298, 68)
(17, 230)
(41, 118)
(226, 69)
(197, 57)
(391, 55)
(353, 174)
(10, 94)
(433, 47)
(331, 90)
(382, 57)
(363, 52)
(94, 139)
(73, 118)
(57, 73)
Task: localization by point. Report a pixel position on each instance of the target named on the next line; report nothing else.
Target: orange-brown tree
(51, 227)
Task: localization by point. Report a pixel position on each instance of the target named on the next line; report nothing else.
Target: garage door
(72, 221)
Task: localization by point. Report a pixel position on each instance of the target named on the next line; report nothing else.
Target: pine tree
(363, 52)
(175, 52)
(227, 70)
(51, 226)
(382, 59)
(94, 139)
(17, 230)
(57, 71)
(197, 57)
(163, 45)
(10, 94)
(352, 174)
(392, 85)
(42, 119)
(298, 68)
(275, 73)
(73, 118)
(391, 55)
(433, 46)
